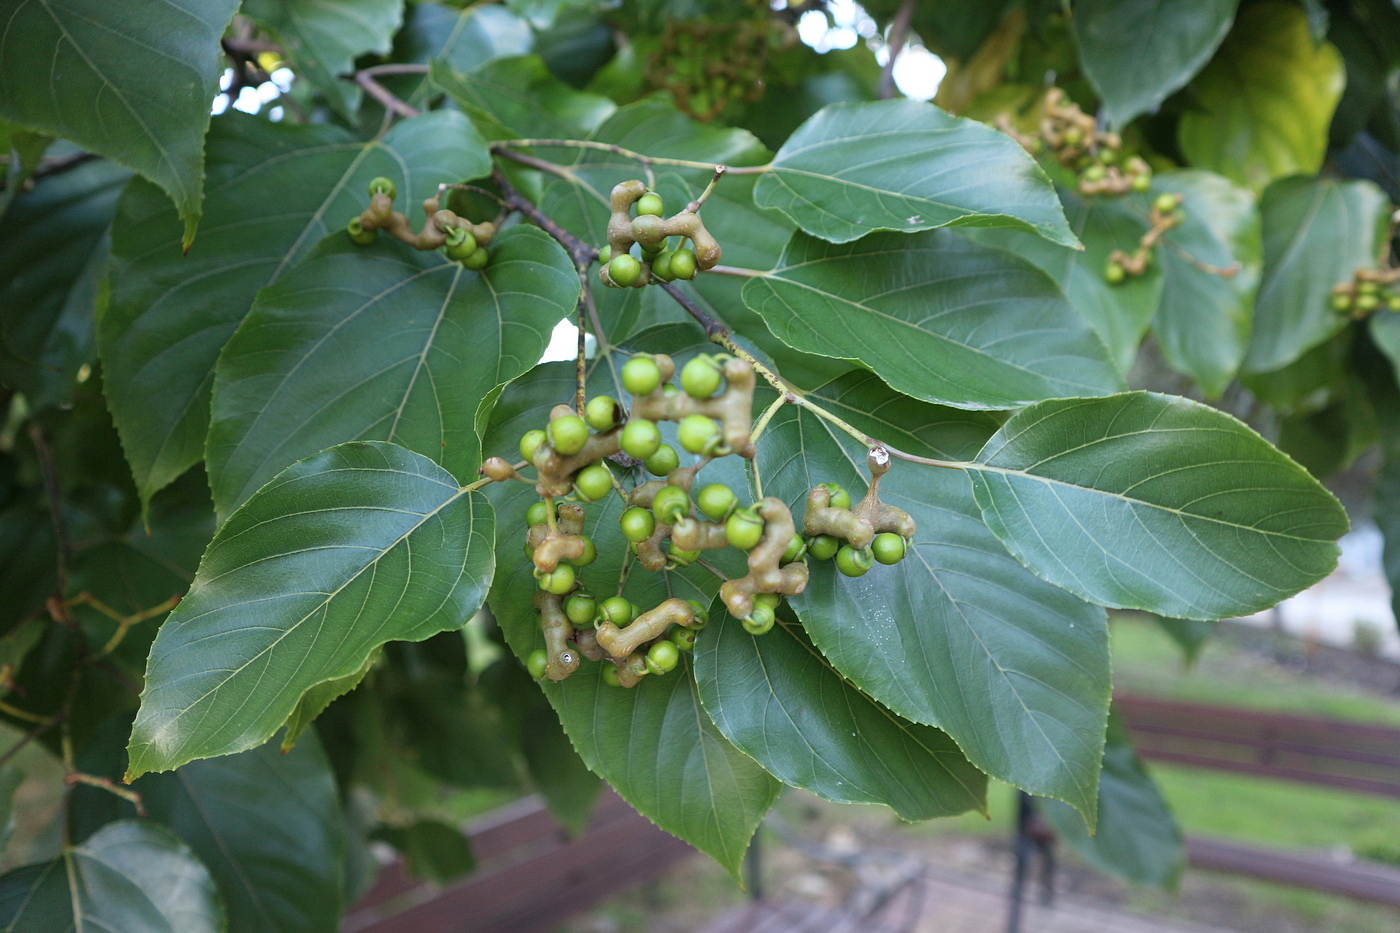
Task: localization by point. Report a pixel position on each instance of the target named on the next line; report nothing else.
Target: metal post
(1024, 847)
(755, 867)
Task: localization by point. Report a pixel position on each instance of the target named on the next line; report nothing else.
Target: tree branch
(899, 34)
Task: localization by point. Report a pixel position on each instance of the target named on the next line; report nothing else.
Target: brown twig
(382, 94)
(899, 34)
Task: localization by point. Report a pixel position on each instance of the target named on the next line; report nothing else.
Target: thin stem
(385, 96)
(761, 425)
(871, 442)
(581, 394)
(736, 270)
(899, 33)
(395, 69)
(580, 252)
(25, 739)
(24, 714)
(477, 188)
(694, 206)
(503, 146)
(558, 171)
(91, 780)
(701, 562)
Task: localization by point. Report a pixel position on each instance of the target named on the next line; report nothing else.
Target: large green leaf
(958, 635)
(938, 316)
(388, 343)
(136, 82)
(514, 98)
(1147, 501)
(1137, 53)
(357, 546)
(53, 250)
(127, 876)
(906, 165)
(1202, 322)
(1263, 104)
(270, 829)
(654, 743)
(462, 39)
(1317, 233)
(1386, 514)
(275, 191)
(1137, 839)
(322, 40)
(1120, 313)
(779, 701)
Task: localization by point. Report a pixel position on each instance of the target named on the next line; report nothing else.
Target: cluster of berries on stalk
(1074, 139)
(1369, 291)
(1166, 213)
(640, 252)
(460, 239)
(669, 522)
(708, 65)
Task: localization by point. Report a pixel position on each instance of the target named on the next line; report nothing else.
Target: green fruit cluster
(709, 66)
(458, 238)
(1165, 213)
(1371, 290)
(658, 241)
(1074, 139)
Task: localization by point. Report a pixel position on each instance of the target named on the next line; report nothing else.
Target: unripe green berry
(888, 548)
(382, 185)
(744, 529)
(702, 615)
(1074, 136)
(593, 482)
(680, 557)
(602, 413)
(637, 524)
(840, 498)
(530, 442)
(605, 255)
(581, 610)
(1095, 172)
(536, 662)
(1107, 155)
(640, 439)
(716, 501)
(1341, 302)
(589, 555)
(854, 562)
(567, 435)
(559, 581)
(1367, 302)
(537, 514)
(683, 638)
(771, 600)
(1393, 302)
(477, 260)
(617, 610)
(1367, 288)
(460, 245)
(663, 461)
(1165, 203)
(1141, 182)
(683, 264)
(661, 265)
(662, 657)
(699, 434)
(795, 550)
(701, 377)
(358, 234)
(641, 375)
(624, 270)
(610, 675)
(760, 620)
(1114, 273)
(672, 503)
(650, 203)
(823, 547)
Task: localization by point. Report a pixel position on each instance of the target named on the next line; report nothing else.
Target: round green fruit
(568, 434)
(760, 620)
(536, 662)
(637, 524)
(537, 514)
(771, 600)
(650, 203)
(701, 377)
(702, 615)
(530, 442)
(683, 638)
(624, 270)
(358, 234)
(1114, 273)
(853, 562)
(661, 265)
(641, 375)
(663, 657)
(1141, 182)
(617, 610)
(744, 529)
(683, 264)
(672, 503)
(581, 610)
(605, 255)
(640, 439)
(1165, 203)
(1095, 172)
(716, 501)
(382, 185)
(679, 557)
(663, 461)
(558, 582)
(589, 555)
(888, 548)
(477, 260)
(796, 549)
(699, 434)
(460, 244)
(840, 498)
(602, 413)
(823, 547)
(610, 675)
(593, 482)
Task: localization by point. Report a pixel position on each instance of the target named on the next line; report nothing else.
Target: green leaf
(20, 152)
(289, 597)
(434, 851)
(1202, 322)
(137, 81)
(514, 98)
(1146, 501)
(1137, 53)
(1385, 511)
(778, 700)
(906, 165)
(1263, 104)
(322, 40)
(1385, 331)
(958, 635)
(28, 556)
(1317, 233)
(564, 781)
(937, 316)
(654, 743)
(275, 191)
(386, 343)
(315, 700)
(269, 827)
(1120, 314)
(463, 39)
(1190, 635)
(53, 252)
(127, 876)
(1137, 838)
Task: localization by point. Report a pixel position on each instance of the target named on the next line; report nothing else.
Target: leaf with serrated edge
(275, 191)
(778, 700)
(1317, 233)
(906, 165)
(511, 98)
(356, 546)
(1136, 53)
(1146, 501)
(937, 316)
(386, 343)
(137, 80)
(958, 635)
(653, 743)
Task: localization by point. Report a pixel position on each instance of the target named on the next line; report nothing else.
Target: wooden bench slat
(1368, 882)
